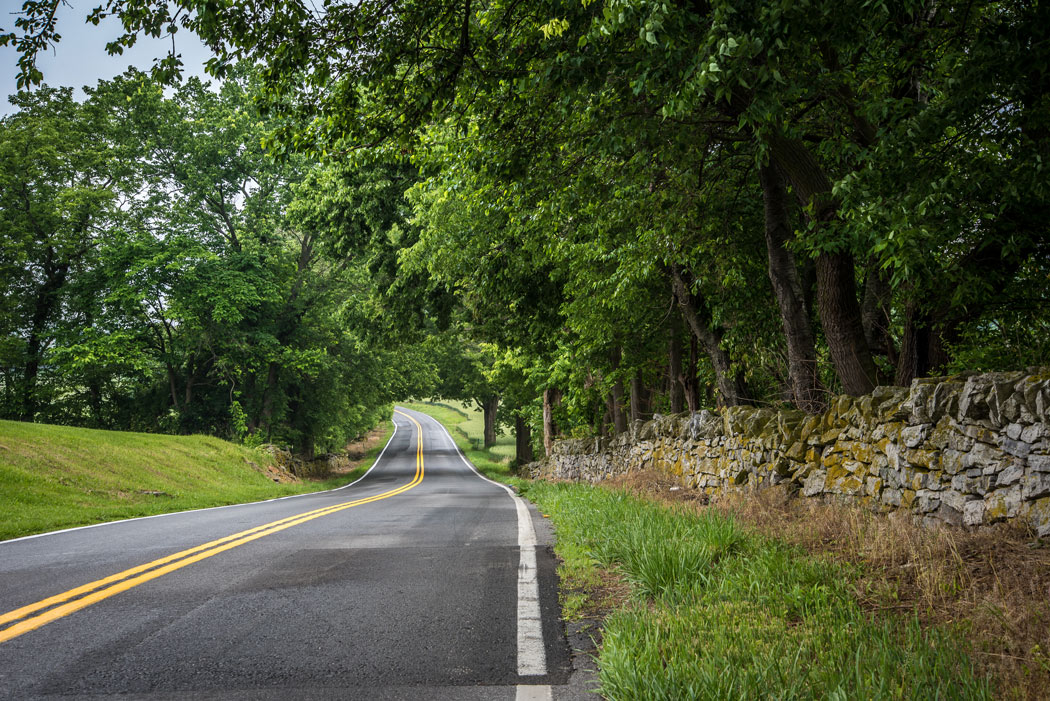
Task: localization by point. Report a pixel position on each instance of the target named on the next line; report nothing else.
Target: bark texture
(875, 310)
(841, 319)
(806, 389)
(489, 406)
(522, 441)
(837, 304)
(639, 399)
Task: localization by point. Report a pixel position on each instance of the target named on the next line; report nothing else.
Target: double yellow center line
(42, 612)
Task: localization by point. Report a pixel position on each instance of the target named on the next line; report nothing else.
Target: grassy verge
(716, 611)
(993, 583)
(54, 477)
(697, 605)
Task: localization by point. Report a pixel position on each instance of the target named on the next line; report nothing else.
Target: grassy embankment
(54, 477)
(701, 607)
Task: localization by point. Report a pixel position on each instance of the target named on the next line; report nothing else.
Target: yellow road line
(130, 578)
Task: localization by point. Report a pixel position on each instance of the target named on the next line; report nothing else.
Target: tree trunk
(840, 316)
(875, 311)
(43, 309)
(172, 388)
(924, 343)
(689, 381)
(266, 420)
(300, 423)
(836, 287)
(95, 401)
(489, 406)
(913, 360)
(675, 387)
(305, 447)
(551, 397)
(806, 389)
(29, 395)
(249, 402)
(942, 335)
(807, 271)
(619, 417)
(639, 399)
(598, 416)
(522, 441)
(191, 380)
(731, 384)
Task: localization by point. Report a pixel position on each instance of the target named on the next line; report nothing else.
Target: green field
(54, 477)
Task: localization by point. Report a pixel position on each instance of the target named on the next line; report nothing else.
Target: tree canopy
(592, 209)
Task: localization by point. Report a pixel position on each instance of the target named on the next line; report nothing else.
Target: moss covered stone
(970, 450)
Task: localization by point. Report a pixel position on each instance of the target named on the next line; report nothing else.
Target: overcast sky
(81, 59)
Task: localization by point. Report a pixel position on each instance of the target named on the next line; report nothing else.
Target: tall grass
(719, 612)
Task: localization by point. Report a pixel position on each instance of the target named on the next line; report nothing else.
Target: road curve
(413, 583)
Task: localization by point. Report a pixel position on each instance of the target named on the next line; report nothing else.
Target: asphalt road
(413, 583)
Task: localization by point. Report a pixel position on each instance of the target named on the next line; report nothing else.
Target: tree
(169, 275)
(595, 179)
(62, 173)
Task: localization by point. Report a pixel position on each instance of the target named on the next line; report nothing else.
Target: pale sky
(81, 59)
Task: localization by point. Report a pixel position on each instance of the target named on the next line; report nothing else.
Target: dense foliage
(594, 209)
(162, 273)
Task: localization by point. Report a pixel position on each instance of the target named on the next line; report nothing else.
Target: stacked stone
(967, 450)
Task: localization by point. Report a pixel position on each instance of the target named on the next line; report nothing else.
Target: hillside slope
(54, 477)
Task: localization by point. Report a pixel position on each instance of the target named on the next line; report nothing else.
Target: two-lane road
(422, 580)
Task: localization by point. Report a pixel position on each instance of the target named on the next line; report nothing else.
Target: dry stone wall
(966, 450)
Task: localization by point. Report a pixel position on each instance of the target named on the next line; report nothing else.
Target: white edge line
(527, 692)
(532, 653)
(212, 508)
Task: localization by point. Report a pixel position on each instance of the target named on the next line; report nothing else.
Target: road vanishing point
(422, 580)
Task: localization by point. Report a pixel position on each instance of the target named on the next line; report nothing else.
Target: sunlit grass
(54, 477)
